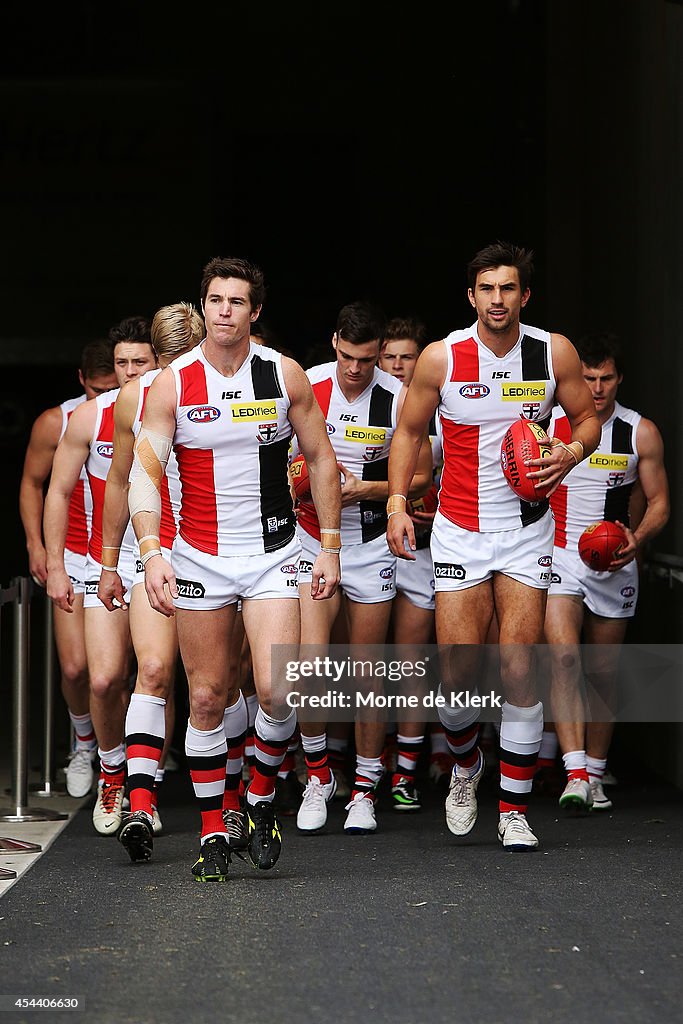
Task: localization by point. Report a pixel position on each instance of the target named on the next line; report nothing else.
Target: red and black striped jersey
(360, 432)
(600, 486)
(97, 466)
(80, 506)
(232, 442)
(481, 396)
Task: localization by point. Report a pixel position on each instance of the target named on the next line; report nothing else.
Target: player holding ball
(591, 509)
(491, 549)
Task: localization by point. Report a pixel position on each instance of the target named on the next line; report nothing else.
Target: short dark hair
(596, 348)
(131, 328)
(360, 322)
(97, 359)
(502, 254)
(234, 267)
(406, 327)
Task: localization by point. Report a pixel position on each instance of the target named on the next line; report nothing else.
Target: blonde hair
(176, 329)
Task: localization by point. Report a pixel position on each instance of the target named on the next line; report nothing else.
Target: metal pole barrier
(47, 787)
(20, 689)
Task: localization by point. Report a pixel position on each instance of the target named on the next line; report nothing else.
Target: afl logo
(627, 591)
(105, 450)
(475, 390)
(330, 427)
(386, 574)
(203, 414)
(291, 570)
(546, 560)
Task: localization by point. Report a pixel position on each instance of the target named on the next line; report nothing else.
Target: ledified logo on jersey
(106, 450)
(523, 391)
(598, 461)
(365, 435)
(245, 412)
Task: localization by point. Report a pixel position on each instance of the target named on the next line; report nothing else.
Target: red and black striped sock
(461, 726)
(84, 731)
(235, 719)
(145, 735)
(207, 754)
(271, 739)
(316, 757)
(408, 753)
(112, 765)
(520, 740)
(369, 771)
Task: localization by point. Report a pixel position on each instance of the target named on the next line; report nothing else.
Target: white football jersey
(360, 432)
(481, 396)
(600, 486)
(231, 442)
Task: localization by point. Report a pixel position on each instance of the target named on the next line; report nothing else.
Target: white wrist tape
(575, 449)
(149, 463)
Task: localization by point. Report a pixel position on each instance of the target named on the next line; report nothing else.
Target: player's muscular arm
(70, 457)
(37, 466)
(144, 495)
(115, 513)
(408, 440)
(308, 424)
(573, 394)
(654, 485)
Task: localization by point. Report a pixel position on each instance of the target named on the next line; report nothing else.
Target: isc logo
(203, 414)
(475, 390)
(105, 450)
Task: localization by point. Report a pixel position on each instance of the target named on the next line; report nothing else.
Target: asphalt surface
(407, 925)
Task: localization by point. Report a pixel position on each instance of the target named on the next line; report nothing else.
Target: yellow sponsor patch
(244, 412)
(366, 435)
(523, 391)
(597, 461)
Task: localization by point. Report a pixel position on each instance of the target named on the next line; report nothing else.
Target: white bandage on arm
(149, 463)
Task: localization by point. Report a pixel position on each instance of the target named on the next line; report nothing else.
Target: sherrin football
(298, 471)
(599, 544)
(523, 440)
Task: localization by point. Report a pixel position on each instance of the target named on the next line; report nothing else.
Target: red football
(427, 503)
(298, 471)
(523, 440)
(599, 544)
